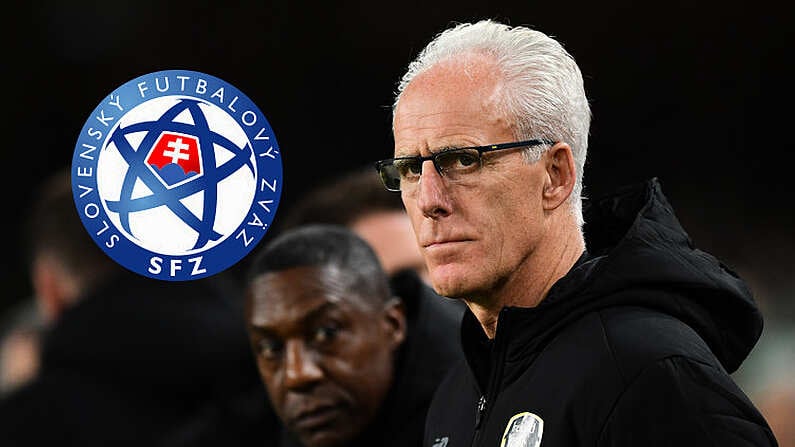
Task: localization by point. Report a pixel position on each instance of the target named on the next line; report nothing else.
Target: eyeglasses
(453, 164)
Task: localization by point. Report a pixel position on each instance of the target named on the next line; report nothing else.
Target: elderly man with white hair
(586, 325)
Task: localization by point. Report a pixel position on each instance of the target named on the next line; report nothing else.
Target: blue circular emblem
(177, 175)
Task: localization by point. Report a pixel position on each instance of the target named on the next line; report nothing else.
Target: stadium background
(698, 94)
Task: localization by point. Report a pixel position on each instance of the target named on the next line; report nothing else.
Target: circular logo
(177, 175)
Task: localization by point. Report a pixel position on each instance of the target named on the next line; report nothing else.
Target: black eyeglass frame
(433, 157)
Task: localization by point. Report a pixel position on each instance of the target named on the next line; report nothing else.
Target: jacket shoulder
(638, 337)
(675, 391)
(680, 401)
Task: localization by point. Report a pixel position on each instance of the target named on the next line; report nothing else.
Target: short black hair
(324, 245)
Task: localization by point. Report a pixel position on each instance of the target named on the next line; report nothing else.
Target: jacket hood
(638, 254)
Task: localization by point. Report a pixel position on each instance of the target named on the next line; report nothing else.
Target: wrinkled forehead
(291, 295)
(449, 100)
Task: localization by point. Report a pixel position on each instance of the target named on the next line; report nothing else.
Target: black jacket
(142, 362)
(432, 346)
(633, 347)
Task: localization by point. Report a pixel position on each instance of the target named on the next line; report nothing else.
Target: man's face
(479, 231)
(325, 354)
(392, 238)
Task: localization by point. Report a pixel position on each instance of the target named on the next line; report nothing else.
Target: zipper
(481, 409)
(479, 413)
(495, 376)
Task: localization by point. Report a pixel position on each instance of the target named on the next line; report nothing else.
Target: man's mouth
(443, 243)
(316, 417)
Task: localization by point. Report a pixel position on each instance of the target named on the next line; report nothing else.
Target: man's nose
(301, 368)
(432, 196)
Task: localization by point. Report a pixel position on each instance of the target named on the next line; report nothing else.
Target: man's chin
(450, 280)
(324, 438)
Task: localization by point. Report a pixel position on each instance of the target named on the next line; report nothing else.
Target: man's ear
(561, 176)
(395, 321)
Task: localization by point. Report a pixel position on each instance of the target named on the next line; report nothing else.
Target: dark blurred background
(699, 94)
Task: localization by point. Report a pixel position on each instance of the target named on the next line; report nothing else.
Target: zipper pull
(479, 413)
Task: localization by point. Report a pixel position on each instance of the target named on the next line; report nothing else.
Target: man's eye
(458, 160)
(467, 159)
(408, 167)
(325, 333)
(269, 348)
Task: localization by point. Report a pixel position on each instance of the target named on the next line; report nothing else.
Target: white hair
(542, 92)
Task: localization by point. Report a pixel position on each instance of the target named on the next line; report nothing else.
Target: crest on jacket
(523, 430)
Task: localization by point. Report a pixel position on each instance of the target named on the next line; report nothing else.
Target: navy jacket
(633, 347)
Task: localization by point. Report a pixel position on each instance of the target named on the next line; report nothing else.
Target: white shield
(523, 430)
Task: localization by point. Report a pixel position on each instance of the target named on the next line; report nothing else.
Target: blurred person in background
(346, 362)
(357, 199)
(20, 336)
(127, 360)
(777, 402)
(769, 373)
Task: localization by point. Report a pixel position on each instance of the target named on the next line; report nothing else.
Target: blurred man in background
(20, 340)
(128, 360)
(357, 199)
